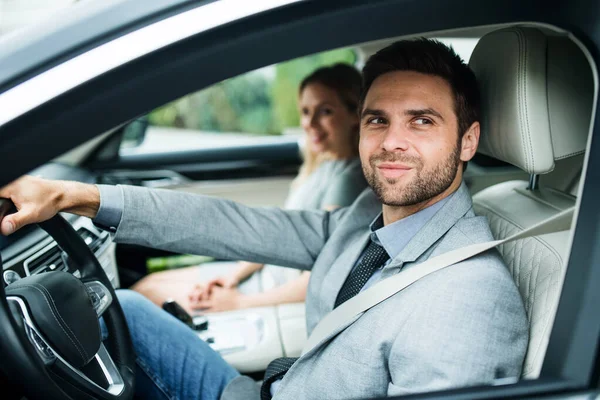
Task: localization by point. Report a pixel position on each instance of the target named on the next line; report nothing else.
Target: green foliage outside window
(259, 102)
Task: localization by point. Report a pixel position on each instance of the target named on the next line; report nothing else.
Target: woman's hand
(203, 291)
(220, 299)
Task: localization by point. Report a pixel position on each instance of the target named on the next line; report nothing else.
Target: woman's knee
(146, 285)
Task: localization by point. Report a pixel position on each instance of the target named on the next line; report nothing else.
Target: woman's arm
(245, 269)
(223, 299)
(290, 292)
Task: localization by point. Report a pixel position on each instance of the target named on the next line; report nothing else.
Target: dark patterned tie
(276, 370)
(374, 258)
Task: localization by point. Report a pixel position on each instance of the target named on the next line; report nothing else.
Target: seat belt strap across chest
(380, 291)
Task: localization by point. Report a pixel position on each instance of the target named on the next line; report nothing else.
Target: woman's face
(329, 125)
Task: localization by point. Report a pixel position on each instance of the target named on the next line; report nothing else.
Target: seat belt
(380, 291)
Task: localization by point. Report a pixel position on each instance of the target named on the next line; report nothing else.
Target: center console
(250, 339)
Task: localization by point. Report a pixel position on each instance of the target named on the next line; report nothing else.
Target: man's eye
(423, 121)
(376, 121)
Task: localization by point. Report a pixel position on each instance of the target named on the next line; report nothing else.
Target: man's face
(409, 146)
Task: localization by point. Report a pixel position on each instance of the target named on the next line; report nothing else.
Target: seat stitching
(525, 103)
(570, 154)
(546, 299)
(536, 238)
(515, 251)
(519, 97)
(536, 351)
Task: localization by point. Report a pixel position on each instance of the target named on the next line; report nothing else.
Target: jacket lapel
(350, 248)
(337, 274)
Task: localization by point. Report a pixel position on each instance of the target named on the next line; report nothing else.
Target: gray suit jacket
(464, 325)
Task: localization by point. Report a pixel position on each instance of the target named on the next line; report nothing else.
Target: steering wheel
(50, 328)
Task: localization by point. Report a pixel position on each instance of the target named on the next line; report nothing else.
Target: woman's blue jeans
(172, 362)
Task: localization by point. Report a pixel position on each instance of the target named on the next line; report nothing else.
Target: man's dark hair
(429, 57)
(344, 79)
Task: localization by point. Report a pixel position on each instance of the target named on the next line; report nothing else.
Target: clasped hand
(219, 294)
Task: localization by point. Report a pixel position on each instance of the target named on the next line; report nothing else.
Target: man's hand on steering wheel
(38, 200)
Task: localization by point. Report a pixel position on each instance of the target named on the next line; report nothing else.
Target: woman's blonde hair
(346, 81)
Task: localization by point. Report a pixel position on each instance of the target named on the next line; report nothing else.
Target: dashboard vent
(52, 258)
(93, 241)
(48, 260)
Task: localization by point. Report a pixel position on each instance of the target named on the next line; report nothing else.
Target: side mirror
(134, 133)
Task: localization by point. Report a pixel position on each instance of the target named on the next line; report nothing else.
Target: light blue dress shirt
(394, 237)
(111, 207)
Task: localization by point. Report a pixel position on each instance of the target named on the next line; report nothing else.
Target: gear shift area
(198, 323)
(249, 339)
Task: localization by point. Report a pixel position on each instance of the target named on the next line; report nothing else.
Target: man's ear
(469, 142)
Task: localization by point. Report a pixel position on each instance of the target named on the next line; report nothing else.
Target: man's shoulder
(487, 268)
(362, 211)
(483, 279)
(469, 229)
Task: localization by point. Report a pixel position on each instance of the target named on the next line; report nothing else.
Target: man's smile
(391, 170)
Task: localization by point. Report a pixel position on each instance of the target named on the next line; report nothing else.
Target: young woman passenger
(330, 177)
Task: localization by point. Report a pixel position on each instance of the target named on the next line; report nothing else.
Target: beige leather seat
(537, 96)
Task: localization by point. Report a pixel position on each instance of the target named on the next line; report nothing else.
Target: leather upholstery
(536, 264)
(537, 93)
(537, 98)
(62, 311)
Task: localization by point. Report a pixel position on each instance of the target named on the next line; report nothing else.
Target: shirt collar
(396, 236)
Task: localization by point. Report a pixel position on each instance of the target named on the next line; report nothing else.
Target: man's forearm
(79, 198)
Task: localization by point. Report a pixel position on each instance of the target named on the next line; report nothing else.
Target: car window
(258, 106)
(16, 14)
(462, 46)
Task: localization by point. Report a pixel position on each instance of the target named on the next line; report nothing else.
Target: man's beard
(425, 185)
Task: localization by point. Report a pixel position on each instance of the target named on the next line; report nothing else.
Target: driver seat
(537, 99)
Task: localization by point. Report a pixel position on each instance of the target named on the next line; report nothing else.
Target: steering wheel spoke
(110, 371)
(100, 376)
(20, 312)
(99, 295)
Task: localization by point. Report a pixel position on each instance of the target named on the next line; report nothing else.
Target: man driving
(463, 325)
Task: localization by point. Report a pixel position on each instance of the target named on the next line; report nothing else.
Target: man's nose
(396, 138)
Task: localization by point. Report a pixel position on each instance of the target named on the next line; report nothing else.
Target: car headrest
(536, 97)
